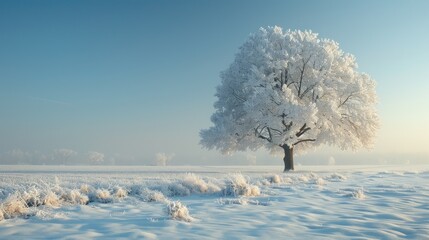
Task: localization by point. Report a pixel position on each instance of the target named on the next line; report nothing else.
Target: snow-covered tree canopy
(290, 88)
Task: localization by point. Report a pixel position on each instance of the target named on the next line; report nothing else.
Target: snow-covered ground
(329, 202)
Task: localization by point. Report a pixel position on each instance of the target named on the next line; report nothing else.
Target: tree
(63, 155)
(162, 159)
(289, 91)
(95, 157)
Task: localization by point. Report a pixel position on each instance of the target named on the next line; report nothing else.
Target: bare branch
(265, 138)
(300, 80)
(303, 126)
(304, 140)
(291, 83)
(277, 131)
(269, 134)
(259, 133)
(302, 130)
(287, 126)
(314, 97)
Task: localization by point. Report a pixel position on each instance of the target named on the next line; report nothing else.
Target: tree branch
(307, 90)
(269, 134)
(259, 134)
(300, 81)
(276, 130)
(302, 75)
(274, 101)
(315, 97)
(287, 126)
(348, 97)
(236, 95)
(304, 140)
(302, 130)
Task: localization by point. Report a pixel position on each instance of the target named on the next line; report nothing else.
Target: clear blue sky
(134, 78)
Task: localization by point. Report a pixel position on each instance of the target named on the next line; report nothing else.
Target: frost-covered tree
(289, 91)
(162, 159)
(95, 157)
(62, 155)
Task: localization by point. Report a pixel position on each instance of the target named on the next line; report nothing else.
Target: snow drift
(331, 203)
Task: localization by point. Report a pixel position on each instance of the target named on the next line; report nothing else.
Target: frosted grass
(325, 203)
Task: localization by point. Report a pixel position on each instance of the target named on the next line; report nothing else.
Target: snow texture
(330, 202)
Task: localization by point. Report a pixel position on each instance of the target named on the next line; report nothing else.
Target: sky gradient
(131, 79)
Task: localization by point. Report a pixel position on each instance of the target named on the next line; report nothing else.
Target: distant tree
(95, 157)
(63, 155)
(289, 91)
(162, 159)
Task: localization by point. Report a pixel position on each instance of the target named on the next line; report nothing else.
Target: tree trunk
(288, 158)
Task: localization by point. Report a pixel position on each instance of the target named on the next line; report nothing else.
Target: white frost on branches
(290, 88)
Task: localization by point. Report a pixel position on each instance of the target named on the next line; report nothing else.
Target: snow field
(22, 203)
(329, 204)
